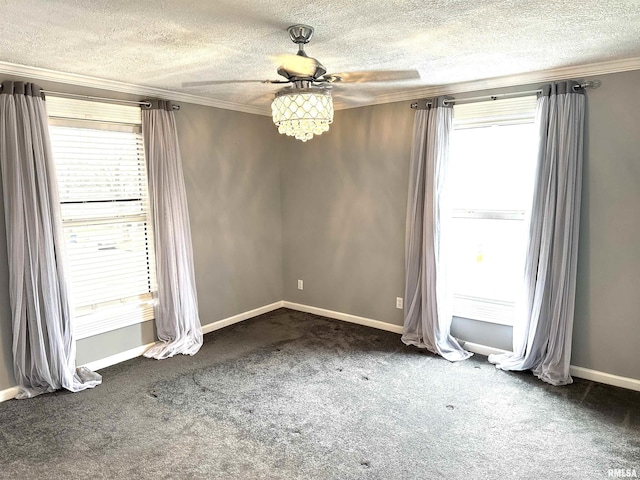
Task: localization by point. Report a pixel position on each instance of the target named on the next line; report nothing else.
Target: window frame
(490, 113)
(123, 311)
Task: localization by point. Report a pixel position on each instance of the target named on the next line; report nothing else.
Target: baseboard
(368, 322)
(210, 327)
(9, 393)
(608, 378)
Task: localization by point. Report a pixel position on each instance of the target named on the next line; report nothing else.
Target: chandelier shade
(303, 112)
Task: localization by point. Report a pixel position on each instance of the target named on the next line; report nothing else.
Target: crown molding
(562, 73)
(37, 73)
(575, 72)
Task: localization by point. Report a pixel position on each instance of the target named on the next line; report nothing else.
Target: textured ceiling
(164, 43)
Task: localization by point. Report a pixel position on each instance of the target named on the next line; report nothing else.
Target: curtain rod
(496, 96)
(101, 99)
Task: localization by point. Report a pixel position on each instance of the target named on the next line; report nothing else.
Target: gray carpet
(292, 395)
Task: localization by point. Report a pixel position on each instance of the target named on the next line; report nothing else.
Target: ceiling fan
(305, 106)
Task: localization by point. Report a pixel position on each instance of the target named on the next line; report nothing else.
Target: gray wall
(232, 175)
(344, 198)
(607, 319)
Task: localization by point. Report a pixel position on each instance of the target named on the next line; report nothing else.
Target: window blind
(102, 183)
(507, 111)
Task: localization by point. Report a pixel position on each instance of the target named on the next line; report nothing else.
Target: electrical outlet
(399, 302)
(300, 285)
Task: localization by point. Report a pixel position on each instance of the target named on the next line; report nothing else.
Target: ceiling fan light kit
(303, 112)
(305, 107)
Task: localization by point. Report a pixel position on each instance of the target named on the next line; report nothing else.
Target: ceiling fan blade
(297, 64)
(352, 98)
(373, 76)
(228, 82)
(265, 98)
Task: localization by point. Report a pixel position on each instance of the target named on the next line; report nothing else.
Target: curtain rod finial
(588, 84)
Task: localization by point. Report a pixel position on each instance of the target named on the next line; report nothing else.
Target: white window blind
(102, 182)
(506, 111)
(493, 149)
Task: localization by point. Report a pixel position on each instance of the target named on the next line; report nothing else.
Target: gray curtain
(177, 320)
(544, 325)
(427, 297)
(43, 345)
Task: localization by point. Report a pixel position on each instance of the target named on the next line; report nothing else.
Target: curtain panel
(43, 344)
(428, 300)
(177, 320)
(544, 323)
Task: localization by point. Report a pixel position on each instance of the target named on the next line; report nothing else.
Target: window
(102, 183)
(492, 161)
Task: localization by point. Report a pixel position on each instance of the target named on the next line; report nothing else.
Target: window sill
(108, 319)
(484, 310)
